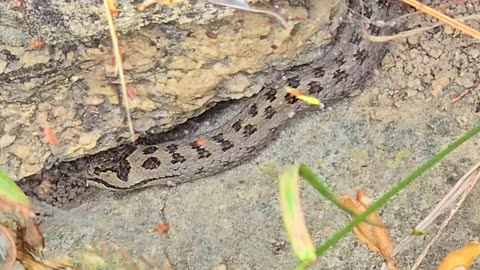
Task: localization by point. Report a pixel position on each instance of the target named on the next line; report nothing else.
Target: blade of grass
(396, 189)
(319, 185)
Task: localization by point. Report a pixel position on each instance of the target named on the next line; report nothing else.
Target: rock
(438, 85)
(466, 80)
(6, 140)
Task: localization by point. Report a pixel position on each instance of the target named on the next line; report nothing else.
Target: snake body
(340, 67)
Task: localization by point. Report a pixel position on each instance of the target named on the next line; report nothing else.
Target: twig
(444, 18)
(472, 180)
(466, 92)
(411, 32)
(119, 68)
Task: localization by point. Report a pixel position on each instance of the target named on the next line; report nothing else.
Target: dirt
(232, 220)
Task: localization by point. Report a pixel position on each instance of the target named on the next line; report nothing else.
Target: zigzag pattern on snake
(342, 66)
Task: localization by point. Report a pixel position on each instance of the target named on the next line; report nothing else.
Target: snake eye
(97, 171)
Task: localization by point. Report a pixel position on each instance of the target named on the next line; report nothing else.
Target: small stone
(388, 61)
(474, 53)
(93, 100)
(413, 40)
(460, 60)
(414, 84)
(220, 267)
(438, 85)
(448, 29)
(411, 93)
(6, 140)
(436, 53)
(466, 80)
(88, 138)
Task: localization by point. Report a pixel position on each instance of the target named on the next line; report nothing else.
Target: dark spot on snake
(251, 149)
(177, 158)
(356, 38)
(274, 47)
(290, 99)
(218, 137)
(319, 72)
(271, 95)
(253, 111)
(227, 163)
(151, 163)
(340, 75)
(248, 130)
(340, 60)
(149, 150)
(172, 148)
(203, 153)
(269, 112)
(115, 161)
(293, 82)
(224, 143)
(200, 170)
(314, 88)
(361, 55)
(237, 126)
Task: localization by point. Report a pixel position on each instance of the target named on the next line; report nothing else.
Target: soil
(232, 220)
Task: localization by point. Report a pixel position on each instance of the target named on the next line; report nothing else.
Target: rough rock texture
(232, 220)
(179, 60)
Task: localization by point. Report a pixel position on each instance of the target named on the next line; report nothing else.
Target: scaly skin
(337, 69)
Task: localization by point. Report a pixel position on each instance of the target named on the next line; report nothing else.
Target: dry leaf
(375, 237)
(162, 228)
(461, 259)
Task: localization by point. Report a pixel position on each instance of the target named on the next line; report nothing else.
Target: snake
(340, 67)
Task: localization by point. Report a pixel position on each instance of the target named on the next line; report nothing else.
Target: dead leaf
(162, 227)
(376, 236)
(461, 259)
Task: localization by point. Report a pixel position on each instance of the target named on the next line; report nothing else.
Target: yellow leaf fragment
(461, 259)
(308, 99)
(293, 216)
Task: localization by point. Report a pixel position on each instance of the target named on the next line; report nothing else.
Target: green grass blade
(10, 192)
(293, 217)
(396, 189)
(319, 185)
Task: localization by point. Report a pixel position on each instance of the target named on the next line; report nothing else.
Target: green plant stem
(319, 185)
(396, 189)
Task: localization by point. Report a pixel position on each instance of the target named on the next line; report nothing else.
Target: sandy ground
(232, 220)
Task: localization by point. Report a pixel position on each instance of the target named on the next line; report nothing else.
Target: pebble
(6, 140)
(438, 85)
(466, 80)
(220, 267)
(93, 100)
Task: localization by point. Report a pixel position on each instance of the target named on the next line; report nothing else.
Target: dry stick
(447, 201)
(443, 18)
(473, 179)
(466, 92)
(119, 67)
(411, 32)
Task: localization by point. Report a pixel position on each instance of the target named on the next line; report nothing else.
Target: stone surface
(369, 143)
